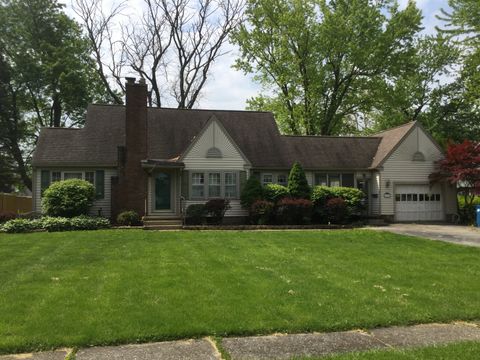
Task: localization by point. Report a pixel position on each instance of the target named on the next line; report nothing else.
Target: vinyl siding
(231, 159)
(401, 169)
(102, 204)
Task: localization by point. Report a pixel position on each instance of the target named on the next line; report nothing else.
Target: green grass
(459, 351)
(113, 286)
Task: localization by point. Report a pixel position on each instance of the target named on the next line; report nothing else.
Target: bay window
(198, 188)
(230, 185)
(214, 184)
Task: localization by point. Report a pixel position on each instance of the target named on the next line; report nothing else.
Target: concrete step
(162, 227)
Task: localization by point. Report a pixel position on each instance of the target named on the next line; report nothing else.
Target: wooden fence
(15, 203)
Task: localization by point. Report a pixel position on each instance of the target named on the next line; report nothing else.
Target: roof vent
(418, 156)
(214, 152)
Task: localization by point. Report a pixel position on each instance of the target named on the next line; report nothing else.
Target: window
(333, 179)
(230, 185)
(72, 175)
(415, 197)
(420, 197)
(198, 188)
(267, 179)
(348, 180)
(214, 185)
(56, 176)
(90, 177)
(437, 197)
(282, 179)
(404, 197)
(321, 179)
(397, 197)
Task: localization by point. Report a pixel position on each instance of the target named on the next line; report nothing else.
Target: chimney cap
(141, 81)
(130, 80)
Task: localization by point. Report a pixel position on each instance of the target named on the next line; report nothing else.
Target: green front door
(162, 191)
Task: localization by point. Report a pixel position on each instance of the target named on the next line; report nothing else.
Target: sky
(228, 88)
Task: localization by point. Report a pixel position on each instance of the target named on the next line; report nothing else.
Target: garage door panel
(418, 202)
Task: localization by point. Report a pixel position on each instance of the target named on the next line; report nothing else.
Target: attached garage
(419, 202)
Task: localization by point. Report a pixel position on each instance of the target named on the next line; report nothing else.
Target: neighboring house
(157, 161)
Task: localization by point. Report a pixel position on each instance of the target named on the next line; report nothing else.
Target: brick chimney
(130, 191)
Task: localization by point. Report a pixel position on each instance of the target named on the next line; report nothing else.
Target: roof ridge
(211, 110)
(333, 136)
(413, 122)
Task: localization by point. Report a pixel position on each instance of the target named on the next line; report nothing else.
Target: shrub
(216, 209)
(294, 211)
(128, 218)
(7, 215)
(321, 194)
(251, 192)
(336, 209)
(68, 198)
(297, 183)
(51, 224)
(195, 214)
(21, 225)
(262, 212)
(274, 192)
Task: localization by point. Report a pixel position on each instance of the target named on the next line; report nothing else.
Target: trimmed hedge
(294, 211)
(275, 192)
(352, 197)
(262, 212)
(195, 214)
(216, 209)
(51, 224)
(68, 198)
(128, 218)
(297, 183)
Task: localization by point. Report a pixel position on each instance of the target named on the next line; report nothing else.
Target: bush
(7, 215)
(195, 214)
(68, 198)
(336, 209)
(21, 225)
(262, 212)
(128, 218)
(52, 224)
(251, 192)
(274, 192)
(297, 183)
(294, 211)
(321, 194)
(216, 209)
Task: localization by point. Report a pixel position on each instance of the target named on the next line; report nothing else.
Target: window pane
(415, 197)
(198, 182)
(56, 176)
(321, 179)
(267, 179)
(404, 197)
(397, 197)
(230, 185)
(347, 180)
(437, 197)
(333, 179)
(89, 176)
(214, 185)
(420, 197)
(72, 175)
(282, 179)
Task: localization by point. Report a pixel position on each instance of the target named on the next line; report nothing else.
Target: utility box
(477, 215)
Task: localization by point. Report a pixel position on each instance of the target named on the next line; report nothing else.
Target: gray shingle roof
(170, 132)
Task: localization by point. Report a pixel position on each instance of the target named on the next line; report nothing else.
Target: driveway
(464, 235)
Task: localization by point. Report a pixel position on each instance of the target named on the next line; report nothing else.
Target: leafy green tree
(252, 190)
(297, 183)
(320, 59)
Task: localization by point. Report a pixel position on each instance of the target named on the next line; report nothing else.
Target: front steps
(155, 222)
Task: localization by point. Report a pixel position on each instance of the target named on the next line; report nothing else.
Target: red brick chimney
(130, 193)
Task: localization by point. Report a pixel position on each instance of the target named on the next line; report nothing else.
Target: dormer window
(214, 152)
(418, 156)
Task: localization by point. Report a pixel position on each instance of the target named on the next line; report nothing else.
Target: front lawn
(113, 286)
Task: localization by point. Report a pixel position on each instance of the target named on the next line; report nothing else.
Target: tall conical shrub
(297, 183)
(251, 192)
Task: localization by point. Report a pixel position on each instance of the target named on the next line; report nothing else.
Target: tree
(297, 183)
(251, 192)
(461, 167)
(172, 46)
(320, 59)
(47, 77)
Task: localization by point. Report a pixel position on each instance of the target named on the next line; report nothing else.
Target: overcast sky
(229, 89)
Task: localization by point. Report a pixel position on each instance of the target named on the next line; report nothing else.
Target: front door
(163, 192)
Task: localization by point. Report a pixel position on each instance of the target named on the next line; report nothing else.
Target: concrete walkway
(277, 346)
(457, 234)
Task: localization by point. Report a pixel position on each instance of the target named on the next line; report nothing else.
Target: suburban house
(157, 161)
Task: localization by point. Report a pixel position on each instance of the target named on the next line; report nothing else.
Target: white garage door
(418, 203)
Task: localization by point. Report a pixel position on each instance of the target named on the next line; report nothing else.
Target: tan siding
(103, 204)
(400, 168)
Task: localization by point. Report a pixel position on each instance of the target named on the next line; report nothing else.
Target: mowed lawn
(114, 286)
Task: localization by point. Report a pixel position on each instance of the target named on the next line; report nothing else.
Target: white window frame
(200, 184)
(267, 182)
(206, 184)
(327, 174)
(283, 183)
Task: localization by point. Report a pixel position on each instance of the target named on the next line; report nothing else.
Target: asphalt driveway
(464, 235)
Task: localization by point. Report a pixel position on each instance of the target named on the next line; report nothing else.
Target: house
(157, 161)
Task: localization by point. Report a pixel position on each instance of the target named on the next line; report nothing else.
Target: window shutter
(242, 180)
(45, 180)
(100, 184)
(185, 184)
